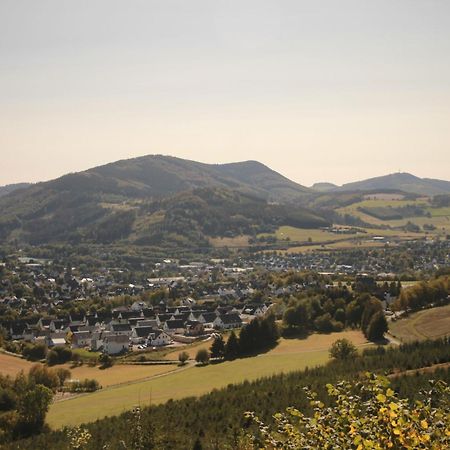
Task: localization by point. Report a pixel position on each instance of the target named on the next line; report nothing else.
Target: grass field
(119, 373)
(440, 217)
(11, 365)
(427, 324)
(289, 355)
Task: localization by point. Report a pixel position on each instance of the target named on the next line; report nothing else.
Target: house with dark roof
(174, 327)
(207, 319)
(139, 335)
(120, 328)
(227, 321)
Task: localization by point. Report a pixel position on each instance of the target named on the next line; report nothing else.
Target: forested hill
(5, 190)
(186, 220)
(160, 176)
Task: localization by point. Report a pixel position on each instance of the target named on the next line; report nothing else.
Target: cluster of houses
(135, 325)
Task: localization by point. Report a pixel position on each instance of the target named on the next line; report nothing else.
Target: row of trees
(260, 334)
(325, 315)
(426, 293)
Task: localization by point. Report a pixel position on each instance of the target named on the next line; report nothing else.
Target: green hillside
(156, 200)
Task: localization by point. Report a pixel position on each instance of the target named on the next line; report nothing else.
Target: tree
(35, 352)
(232, 347)
(63, 375)
(202, 356)
(32, 409)
(183, 357)
(377, 327)
(342, 349)
(297, 317)
(218, 348)
(40, 374)
(59, 355)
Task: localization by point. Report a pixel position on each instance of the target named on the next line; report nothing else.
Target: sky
(331, 90)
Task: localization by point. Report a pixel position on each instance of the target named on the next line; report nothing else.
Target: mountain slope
(155, 199)
(160, 176)
(5, 190)
(400, 181)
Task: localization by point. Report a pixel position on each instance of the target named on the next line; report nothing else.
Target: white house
(227, 321)
(159, 338)
(114, 344)
(81, 339)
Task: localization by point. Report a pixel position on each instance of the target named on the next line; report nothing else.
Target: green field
(440, 217)
(288, 356)
(427, 324)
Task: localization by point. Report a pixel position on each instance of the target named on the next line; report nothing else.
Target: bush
(87, 385)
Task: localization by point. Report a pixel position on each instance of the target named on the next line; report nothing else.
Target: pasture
(289, 355)
(427, 324)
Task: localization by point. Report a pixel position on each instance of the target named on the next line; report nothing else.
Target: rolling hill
(400, 182)
(155, 200)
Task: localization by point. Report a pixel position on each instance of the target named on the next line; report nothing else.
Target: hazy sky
(318, 90)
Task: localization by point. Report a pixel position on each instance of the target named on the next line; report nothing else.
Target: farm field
(11, 365)
(440, 217)
(289, 355)
(427, 324)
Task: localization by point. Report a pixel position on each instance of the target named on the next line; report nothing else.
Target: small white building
(113, 344)
(227, 322)
(159, 338)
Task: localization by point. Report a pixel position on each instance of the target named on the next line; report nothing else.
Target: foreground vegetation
(369, 415)
(217, 419)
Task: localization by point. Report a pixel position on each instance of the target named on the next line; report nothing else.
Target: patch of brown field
(427, 324)
(238, 241)
(429, 369)
(118, 374)
(317, 342)
(12, 365)
(436, 323)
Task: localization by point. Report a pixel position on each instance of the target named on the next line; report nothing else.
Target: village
(115, 310)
